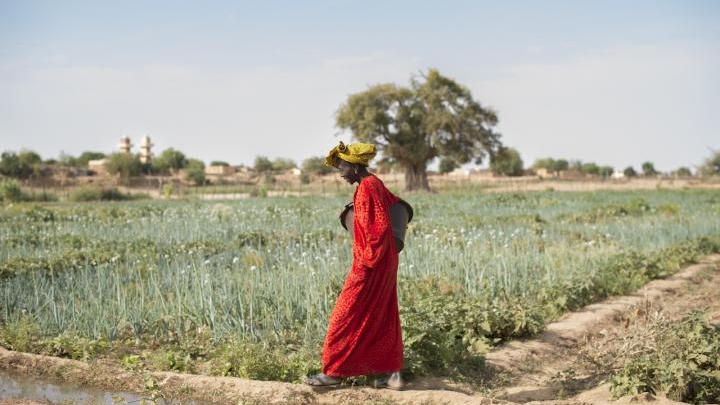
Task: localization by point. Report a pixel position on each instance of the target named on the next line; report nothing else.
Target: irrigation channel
(14, 385)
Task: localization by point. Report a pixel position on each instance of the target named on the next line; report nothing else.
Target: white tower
(146, 150)
(125, 144)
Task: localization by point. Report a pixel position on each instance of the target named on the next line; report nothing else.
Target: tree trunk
(416, 178)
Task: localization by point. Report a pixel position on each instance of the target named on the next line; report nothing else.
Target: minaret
(125, 144)
(146, 150)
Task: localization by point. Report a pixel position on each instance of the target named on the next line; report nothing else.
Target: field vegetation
(244, 288)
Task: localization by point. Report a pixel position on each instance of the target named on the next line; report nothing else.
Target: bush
(71, 345)
(257, 361)
(682, 363)
(21, 335)
(10, 191)
(43, 196)
(448, 332)
(82, 194)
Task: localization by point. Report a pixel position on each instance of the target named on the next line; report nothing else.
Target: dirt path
(559, 363)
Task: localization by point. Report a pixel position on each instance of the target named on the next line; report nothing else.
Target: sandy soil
(552, 368)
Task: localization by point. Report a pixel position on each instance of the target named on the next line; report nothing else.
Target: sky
(612, 82)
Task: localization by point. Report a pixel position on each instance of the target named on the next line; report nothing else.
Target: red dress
(364, 330)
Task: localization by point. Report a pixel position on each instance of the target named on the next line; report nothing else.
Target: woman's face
(347, 171)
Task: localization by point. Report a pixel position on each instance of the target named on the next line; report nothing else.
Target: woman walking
(364, 336)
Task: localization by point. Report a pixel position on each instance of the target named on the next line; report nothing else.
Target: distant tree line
(28, 164)
(21, 165)
(555, 167)
(505, 161)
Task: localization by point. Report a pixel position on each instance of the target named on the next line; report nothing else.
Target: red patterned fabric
(364, 330)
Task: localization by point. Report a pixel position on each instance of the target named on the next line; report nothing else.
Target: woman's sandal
(322, 380)
(394, 382)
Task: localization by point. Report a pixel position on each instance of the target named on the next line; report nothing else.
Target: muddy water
(24, 387)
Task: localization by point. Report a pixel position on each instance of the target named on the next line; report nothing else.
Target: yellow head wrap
(358, 153)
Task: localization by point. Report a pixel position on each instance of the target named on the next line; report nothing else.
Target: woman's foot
(322, 380)
(393, 381)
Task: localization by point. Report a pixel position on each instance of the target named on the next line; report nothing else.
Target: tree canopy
(170, 160)
(83, 159)
(648, 169)
(20, 165)
(316, 165)
(507, 162)
(630, 172)
(433, 118)
(124, 165)
(283, 164)
(195, 171)
(262, 164)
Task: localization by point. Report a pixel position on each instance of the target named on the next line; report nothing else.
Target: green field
(245, 287)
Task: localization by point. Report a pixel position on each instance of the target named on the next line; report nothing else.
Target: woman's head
(351, 160)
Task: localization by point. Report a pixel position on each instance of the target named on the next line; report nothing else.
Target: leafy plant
(10, 191)
(20, 335)
(70, 345)
(263, 362)
(685, 367)
(90, 193)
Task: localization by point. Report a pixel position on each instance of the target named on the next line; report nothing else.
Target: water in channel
(18, 386)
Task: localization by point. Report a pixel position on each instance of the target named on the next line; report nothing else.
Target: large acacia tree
(433, 118)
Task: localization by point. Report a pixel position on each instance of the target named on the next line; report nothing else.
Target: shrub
(20, 335)
(682, 363)
(257, 361)
(71, 345)
(10, 191)
(99, 194)
(446, 331)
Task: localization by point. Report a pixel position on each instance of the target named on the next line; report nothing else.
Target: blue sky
(612, 82)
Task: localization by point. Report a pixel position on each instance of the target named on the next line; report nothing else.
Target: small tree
(649, 169)
(195, 171)
(262, 164)
(219, 163)
(123, 165)
(560, 165)
(10, 191)
(547, 164)
(283, 164)
(170, 160)
(316, 165)
(506, 162)
(629, 172)
(10, 164)
(683, 172)
(544, 163)
(20, 165)
(576, 165)
(590, 168)
(606, 171)
(85, 157)
(711, 166)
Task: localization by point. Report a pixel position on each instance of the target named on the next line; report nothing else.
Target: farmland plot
(201, 286)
